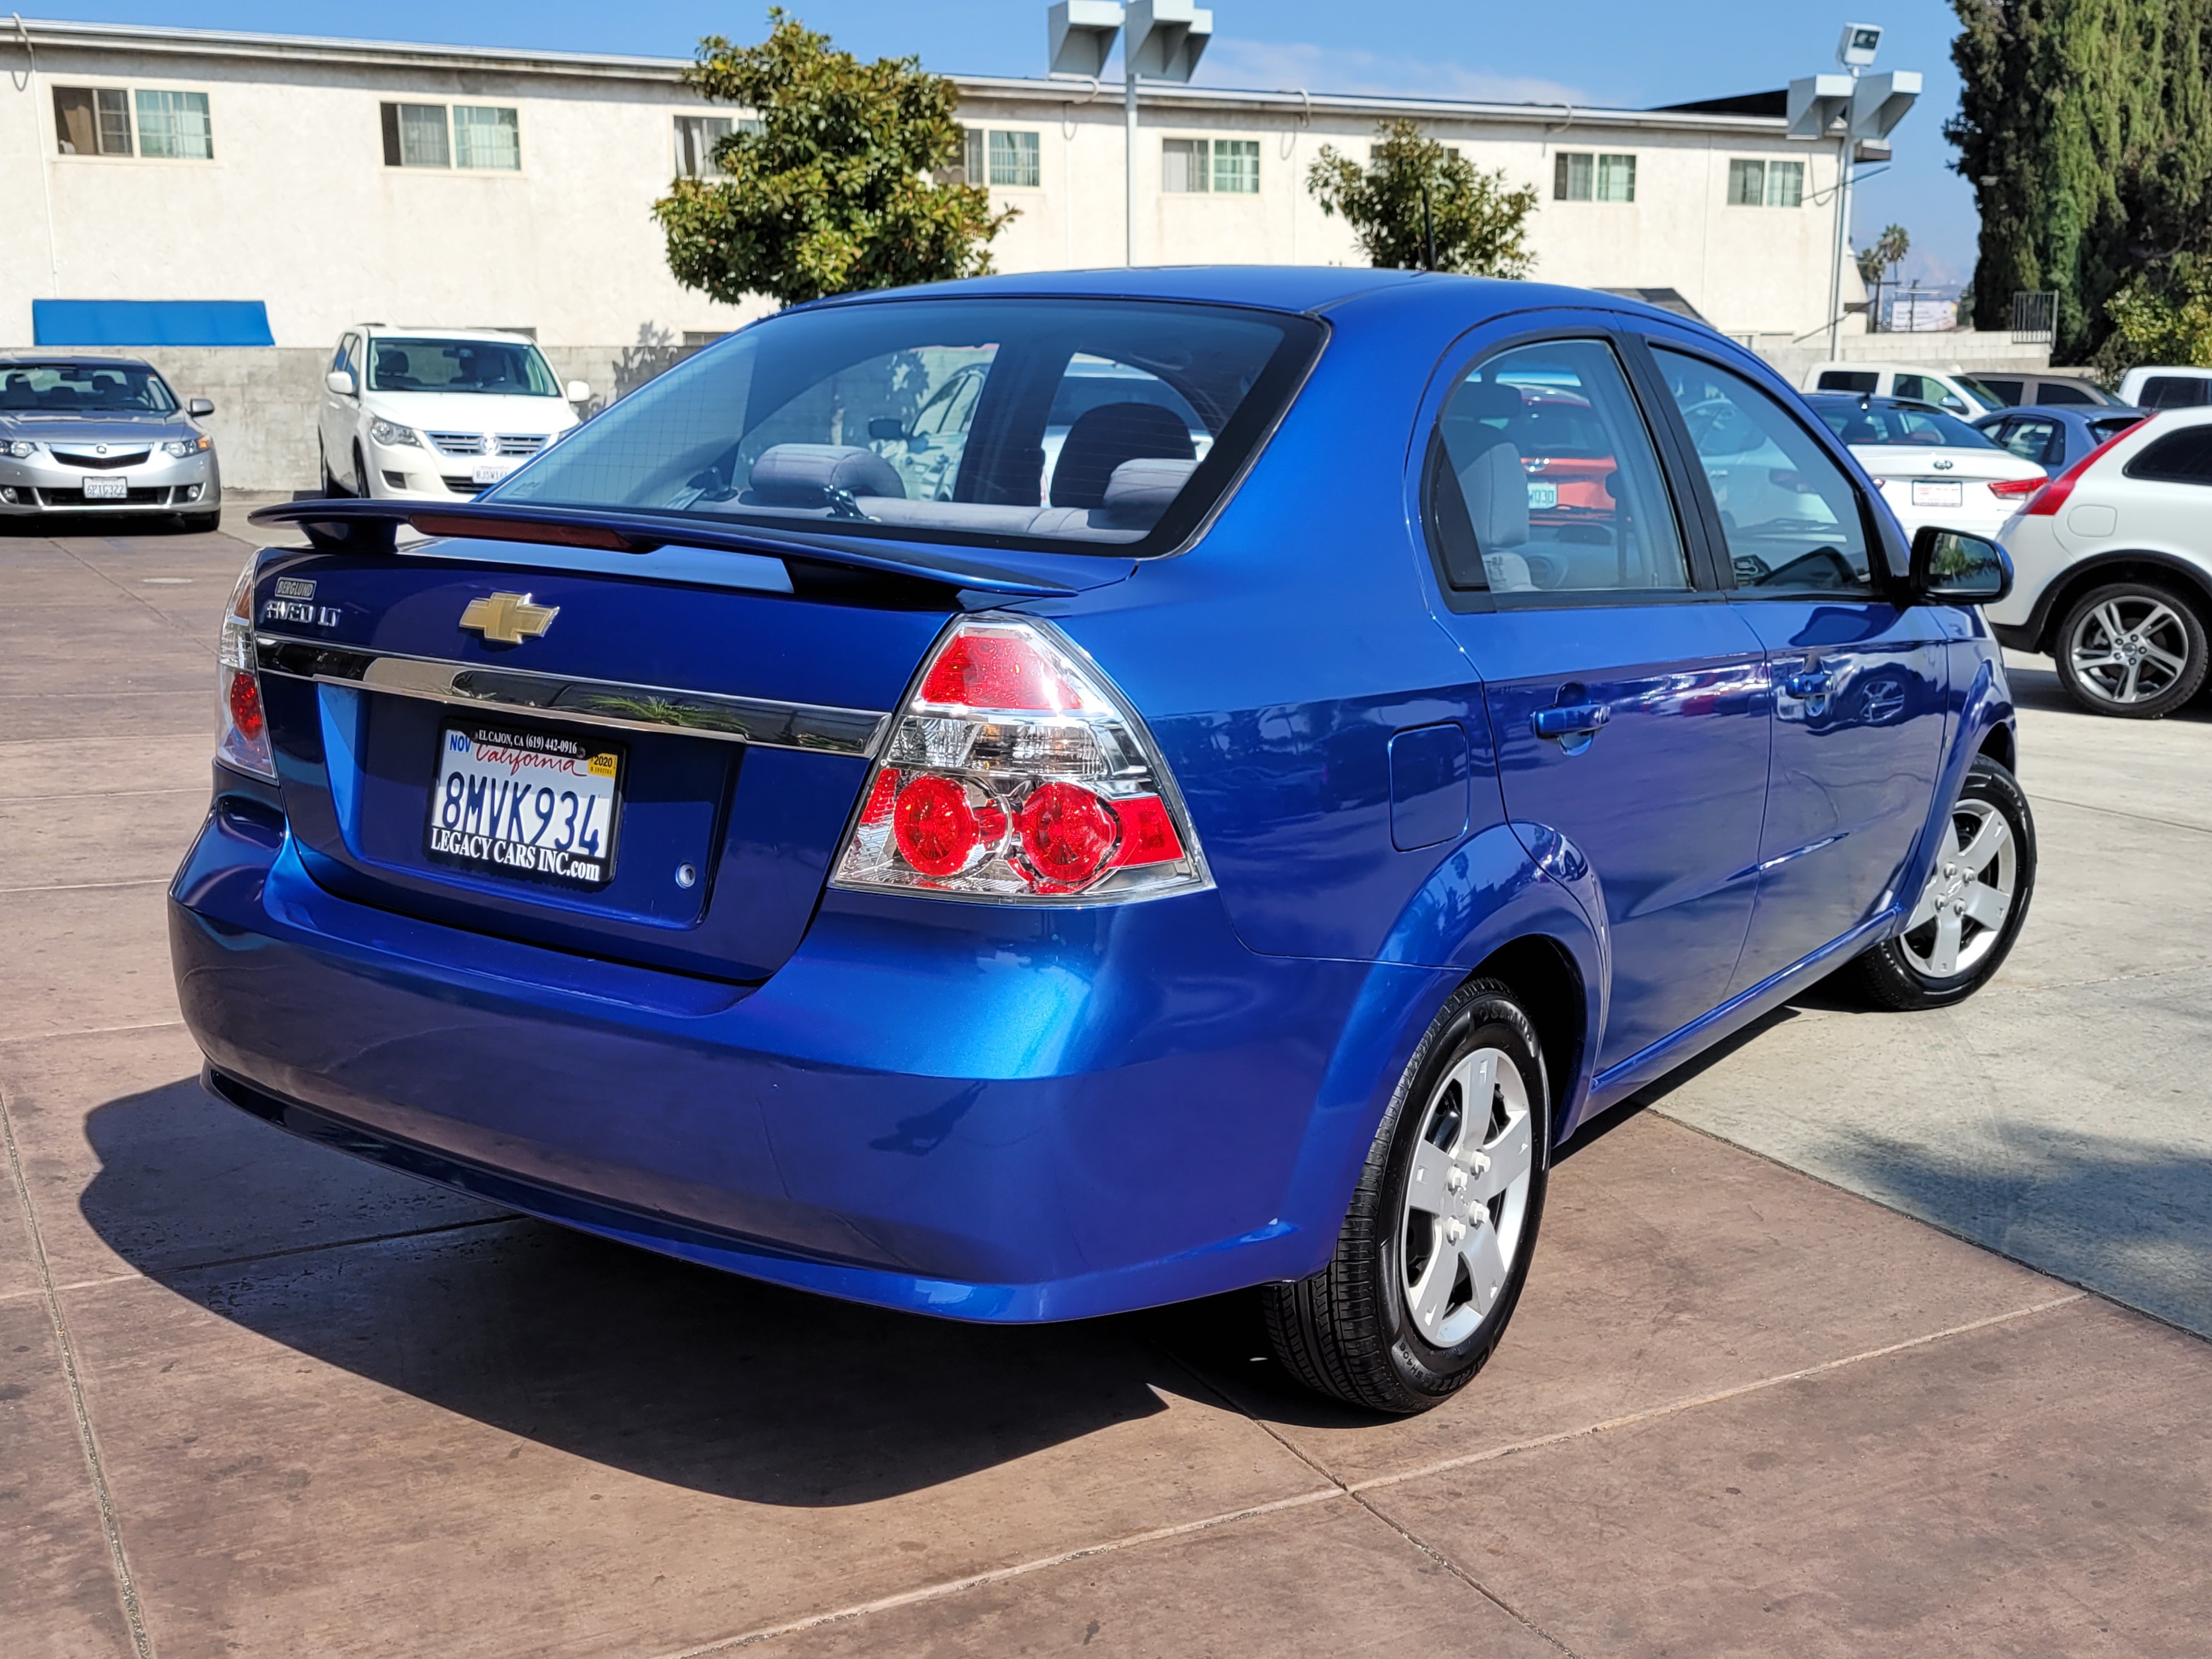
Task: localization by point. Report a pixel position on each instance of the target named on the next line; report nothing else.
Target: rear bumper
(960, 1109)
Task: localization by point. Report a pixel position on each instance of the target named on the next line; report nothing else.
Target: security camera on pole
(1869, 106)
(1164, 40)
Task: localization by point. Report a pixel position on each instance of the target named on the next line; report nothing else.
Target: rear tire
(2134, 650)
(1436, 1246)
(1971, 909)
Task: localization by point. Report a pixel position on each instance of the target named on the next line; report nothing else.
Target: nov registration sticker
(540, 806)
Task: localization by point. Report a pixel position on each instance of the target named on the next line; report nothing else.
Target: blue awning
(150, 323)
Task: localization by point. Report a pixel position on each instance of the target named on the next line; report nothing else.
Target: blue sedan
(2055, 436)
(1233, 845)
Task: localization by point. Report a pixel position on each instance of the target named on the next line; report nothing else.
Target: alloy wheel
(1962, 909)
(1467, 1197)
(2130, 649)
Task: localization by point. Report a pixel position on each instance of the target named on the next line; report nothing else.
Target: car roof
(1889, 368)
(1868, 400)
(69, 359)
(507, 335)
(2066, 412)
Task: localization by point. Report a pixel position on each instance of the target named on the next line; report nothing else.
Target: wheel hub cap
(1466, 1196)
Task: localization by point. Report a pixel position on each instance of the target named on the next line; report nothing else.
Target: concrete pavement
(256, 1398)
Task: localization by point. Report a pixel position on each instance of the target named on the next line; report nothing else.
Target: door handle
(1813, 683)
(1571, 720)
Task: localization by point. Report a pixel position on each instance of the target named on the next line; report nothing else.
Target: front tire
(2135, 650)
(1436, 1246)
(199, 524)
(332, 489)
(1971, 906)
(366, 490)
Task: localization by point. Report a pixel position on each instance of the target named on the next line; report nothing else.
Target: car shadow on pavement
(673, 1372)
(2039, 688)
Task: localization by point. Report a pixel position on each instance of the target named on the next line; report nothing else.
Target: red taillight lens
(1016, 773)
(241, 726)
(2005, 490)
(2046, 501)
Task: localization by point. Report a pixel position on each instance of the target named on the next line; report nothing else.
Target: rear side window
(1543, 479)
(2183, 457)
(2006, 391)
(2175, 391)
(1789, 516)
(2061, 393)
(1078, 424)
(1849, 379)
(2032, 440)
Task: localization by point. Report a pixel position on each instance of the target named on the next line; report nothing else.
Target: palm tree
(1878, 259)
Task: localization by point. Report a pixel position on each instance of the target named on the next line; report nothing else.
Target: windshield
(1008, 422)
(1863, 423)
(1990, 400)
(84, 389)
(505, 368)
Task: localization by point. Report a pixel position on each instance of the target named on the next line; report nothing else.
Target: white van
(2166, 388)
(1954, 393)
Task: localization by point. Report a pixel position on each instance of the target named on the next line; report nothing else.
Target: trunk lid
(734, 719)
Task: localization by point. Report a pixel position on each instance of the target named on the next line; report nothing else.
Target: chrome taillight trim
(814, 728)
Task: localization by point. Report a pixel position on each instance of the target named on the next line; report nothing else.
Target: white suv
(436, 414)
(2113, 569)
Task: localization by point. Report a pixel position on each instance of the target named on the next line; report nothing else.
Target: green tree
(848, 183)
(2163, 316)
(2086, 127)
(1476, 226)
(1881, 257)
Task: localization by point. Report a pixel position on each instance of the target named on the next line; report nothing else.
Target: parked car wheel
(331, 488)
(2133, 649)
(360, 474)
(1970, 911)
(1436, 1246)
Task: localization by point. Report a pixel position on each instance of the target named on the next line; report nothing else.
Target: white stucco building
(336, 181)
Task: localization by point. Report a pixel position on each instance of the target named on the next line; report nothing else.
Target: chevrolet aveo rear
(1220, 830)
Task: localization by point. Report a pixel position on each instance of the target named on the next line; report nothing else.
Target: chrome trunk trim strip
(765, 721)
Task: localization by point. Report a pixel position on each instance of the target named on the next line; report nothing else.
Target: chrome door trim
(769, 722)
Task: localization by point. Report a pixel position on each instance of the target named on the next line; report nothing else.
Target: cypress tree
(2085, 128)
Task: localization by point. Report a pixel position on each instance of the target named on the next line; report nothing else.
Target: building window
(96, 121)
(695, 138)
(470, 136)
(487, 138)
(1014, 159)
(1229, 166)
(1766, 184)
(1579, 176)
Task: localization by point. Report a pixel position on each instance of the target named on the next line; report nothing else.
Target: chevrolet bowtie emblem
(509, 618)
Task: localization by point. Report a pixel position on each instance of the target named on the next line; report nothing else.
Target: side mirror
(341, 381)
(887, 428)
(197, 407)
(578, 392)
(1949, 566)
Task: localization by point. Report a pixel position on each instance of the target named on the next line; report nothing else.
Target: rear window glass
(501, 368)
(1073, 424)
(2183, 457)
(1892, 423)
(84, 388)
(2175, 391)
(1849, 379)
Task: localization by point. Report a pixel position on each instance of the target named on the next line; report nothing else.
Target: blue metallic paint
(1008, 1114)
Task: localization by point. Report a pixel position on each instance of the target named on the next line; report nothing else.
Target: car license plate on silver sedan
(537, 805)
(1942, 492)
(106, 489)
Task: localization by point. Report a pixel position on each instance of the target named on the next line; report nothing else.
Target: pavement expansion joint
(90, 1030)
(2039, 800)
(126, 1588)
(87, 886)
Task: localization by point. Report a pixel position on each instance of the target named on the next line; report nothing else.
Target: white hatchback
(2112, 569)
(1930, 468)
(436, 414)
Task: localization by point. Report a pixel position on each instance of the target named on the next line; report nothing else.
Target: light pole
(1869, 106)
(1161, 40)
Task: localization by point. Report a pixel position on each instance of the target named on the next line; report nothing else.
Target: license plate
(541, 805)
(492, 471)
(106, 489)
(1543, 495)
(1948, 493)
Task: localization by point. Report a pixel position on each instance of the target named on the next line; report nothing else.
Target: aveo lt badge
(509, 618)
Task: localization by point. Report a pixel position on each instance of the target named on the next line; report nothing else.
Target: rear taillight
(2047, 500)
(1016, 773)
(2010, 489)
(241, 726)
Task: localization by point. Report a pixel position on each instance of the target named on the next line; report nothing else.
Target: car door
(1859, 683)
(1627, 698)
(334, 417)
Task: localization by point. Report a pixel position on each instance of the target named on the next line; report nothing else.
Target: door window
(2009, 391)
(2032, 440)
(2062, 391)
(1543, 479)
(1790, 516)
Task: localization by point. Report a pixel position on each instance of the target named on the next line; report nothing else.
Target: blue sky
(1598, 51)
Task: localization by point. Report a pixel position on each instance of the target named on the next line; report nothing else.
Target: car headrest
(1139, 491)
(1102, 438)
(1497, 494)
(803, 474)
(1486, 400)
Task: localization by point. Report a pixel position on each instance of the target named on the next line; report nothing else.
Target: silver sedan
(103, 435)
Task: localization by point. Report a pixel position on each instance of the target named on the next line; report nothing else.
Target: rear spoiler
(355, 526)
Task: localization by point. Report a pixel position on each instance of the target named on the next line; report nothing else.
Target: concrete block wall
(266, 398)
